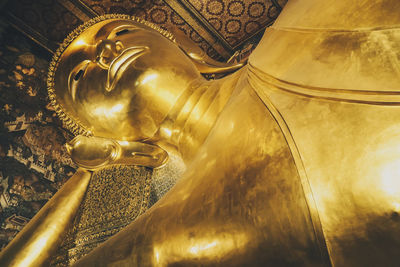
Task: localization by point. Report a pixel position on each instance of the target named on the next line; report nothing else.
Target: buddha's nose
(106, 51)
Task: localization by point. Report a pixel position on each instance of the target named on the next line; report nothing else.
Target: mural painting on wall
(33, 161)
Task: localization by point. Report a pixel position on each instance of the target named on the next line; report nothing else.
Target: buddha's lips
(121, 63)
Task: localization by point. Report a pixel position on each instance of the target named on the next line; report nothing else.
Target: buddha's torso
(349, 155)
(331, 78)
(320, 175)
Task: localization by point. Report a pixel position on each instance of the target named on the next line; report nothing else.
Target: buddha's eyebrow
(123, 29)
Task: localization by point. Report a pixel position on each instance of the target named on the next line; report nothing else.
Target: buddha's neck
(194, 114)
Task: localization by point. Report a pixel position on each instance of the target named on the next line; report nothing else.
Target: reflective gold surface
(241, 202)
(123, 77)
(291, 161)
(40, 238)
(202, 61)
(340, 99)
(93, 153)
(115, 81)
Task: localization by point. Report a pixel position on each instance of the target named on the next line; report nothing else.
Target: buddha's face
(120, 79)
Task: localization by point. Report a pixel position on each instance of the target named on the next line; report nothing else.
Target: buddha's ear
(203, 62)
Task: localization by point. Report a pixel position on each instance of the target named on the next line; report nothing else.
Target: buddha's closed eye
(75, 76)
(122, 30)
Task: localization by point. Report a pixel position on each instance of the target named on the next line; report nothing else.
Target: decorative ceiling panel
(219, 27)
(235, 21)
(120, 6)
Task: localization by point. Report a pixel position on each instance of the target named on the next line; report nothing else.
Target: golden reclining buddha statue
(292, 160)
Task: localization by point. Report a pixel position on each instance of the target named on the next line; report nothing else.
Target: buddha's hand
(92, 153)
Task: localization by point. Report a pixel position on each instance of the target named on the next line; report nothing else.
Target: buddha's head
(118, 77)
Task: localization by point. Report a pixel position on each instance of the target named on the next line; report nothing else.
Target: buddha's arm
(40, 238)
(240, 204)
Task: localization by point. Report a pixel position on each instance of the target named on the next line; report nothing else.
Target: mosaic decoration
(121, 193)
(119, 200)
